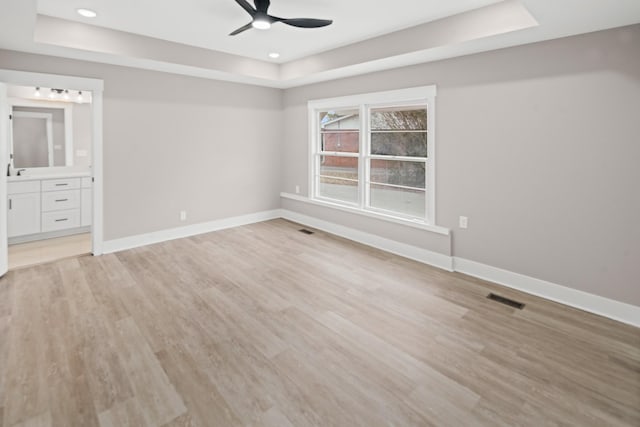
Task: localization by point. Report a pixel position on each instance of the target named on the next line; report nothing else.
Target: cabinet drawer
(60, 184)
(60, 220)
(60, 200)
(23, 187)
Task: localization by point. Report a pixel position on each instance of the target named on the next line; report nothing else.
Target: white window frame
(419, 96)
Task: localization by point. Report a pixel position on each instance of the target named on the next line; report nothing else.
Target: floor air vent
(506, 301)
(305, 231)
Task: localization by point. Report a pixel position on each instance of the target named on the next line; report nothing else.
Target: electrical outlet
(463, 222)
(183, 215)
(297, 189)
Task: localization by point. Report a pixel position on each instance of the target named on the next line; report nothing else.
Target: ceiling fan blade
(307, 22)
(246, 6)
(262, 5)
(241, 29)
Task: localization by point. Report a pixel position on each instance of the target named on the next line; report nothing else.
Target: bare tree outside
(398, 183)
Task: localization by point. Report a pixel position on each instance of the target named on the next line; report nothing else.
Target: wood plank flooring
(265, 326)
(47, 250)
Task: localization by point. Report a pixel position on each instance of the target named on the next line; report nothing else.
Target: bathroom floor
(42, 251)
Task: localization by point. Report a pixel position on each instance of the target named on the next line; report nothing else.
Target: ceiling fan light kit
(261, 20)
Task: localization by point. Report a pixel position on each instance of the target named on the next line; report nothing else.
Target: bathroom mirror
(41, 136)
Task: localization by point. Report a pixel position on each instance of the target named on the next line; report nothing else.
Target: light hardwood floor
(42, 251)
(265, 326)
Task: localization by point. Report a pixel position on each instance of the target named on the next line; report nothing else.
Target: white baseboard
(408, 251)
(130, 242)
(615, 310)
(625, 313)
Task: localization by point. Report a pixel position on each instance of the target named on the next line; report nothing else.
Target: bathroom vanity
(46, 206)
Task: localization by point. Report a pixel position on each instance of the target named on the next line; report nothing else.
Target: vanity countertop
(52, 175)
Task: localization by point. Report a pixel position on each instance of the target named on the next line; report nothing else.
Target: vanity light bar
(60, 94)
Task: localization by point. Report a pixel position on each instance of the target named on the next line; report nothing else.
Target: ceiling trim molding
(488, 21)
(500, 25)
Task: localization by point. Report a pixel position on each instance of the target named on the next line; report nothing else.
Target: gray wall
(538, 145)
(82, 128)
(176, 143)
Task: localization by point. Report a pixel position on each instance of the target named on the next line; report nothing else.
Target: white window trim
(410, 96)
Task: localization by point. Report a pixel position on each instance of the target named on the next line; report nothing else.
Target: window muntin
(378, 155)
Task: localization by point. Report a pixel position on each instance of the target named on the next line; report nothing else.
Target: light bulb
(274, 55)
(37, 93)
(79, 98)
(52, 94)
(261, 24)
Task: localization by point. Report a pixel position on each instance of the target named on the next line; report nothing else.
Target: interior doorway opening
(51, 178)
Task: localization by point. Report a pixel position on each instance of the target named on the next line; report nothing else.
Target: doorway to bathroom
(51, 155)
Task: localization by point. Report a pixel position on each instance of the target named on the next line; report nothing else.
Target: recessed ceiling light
(87, 13)
(274, 55)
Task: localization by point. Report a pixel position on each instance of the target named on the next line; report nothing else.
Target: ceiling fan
(262, 20)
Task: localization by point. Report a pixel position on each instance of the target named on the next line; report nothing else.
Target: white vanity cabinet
(24, 208)
(43, 208)
(60, 204)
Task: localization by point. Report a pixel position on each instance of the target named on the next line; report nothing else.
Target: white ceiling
(190, 36)
(207, 23)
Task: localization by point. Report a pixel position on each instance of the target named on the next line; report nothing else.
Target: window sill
(405, 222)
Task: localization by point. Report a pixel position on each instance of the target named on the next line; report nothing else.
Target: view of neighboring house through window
(376, 156)
(339, 155)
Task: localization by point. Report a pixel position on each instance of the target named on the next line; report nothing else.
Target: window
(375, 153)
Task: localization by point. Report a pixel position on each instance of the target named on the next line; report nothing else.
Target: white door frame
(4, 161)
(23, 78)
